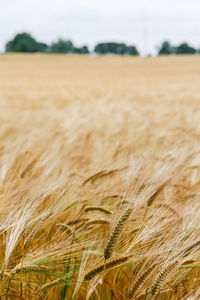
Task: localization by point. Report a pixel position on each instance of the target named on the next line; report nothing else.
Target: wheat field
(99, 177)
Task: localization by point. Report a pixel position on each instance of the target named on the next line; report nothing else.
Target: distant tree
(110, 48)
(184, 48)
(166, 49)
(62, 46)
(101, 48)
(82, 50)
(132, 50)
(115, 48)
(121, 49)
(42, 47)
(24, 42)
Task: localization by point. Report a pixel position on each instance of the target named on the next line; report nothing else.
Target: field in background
(99, 167)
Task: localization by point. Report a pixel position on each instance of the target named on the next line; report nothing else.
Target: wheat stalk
(97, 222)
(52, 284)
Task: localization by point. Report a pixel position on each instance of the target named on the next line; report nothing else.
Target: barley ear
(139, 282)
(108, 265)
(115, 234)
(98, 208)
(35, 229)
(156, 285)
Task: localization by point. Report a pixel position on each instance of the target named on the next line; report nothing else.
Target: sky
(145, 23)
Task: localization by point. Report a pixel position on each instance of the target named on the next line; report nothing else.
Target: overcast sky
(145, 23)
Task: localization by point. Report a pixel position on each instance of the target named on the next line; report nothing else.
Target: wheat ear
(115, 234)
(140, 280)
(155, 287)
(35, 229)
(107, 266)
(30, 269)
(98, 208)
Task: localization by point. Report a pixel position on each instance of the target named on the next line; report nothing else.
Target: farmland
(99, 177)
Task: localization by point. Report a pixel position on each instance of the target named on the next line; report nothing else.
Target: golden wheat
(94, 144)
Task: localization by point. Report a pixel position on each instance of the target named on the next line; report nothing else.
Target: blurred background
(140, 23)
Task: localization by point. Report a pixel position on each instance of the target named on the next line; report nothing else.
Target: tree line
(167, 49)
(24, 42)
